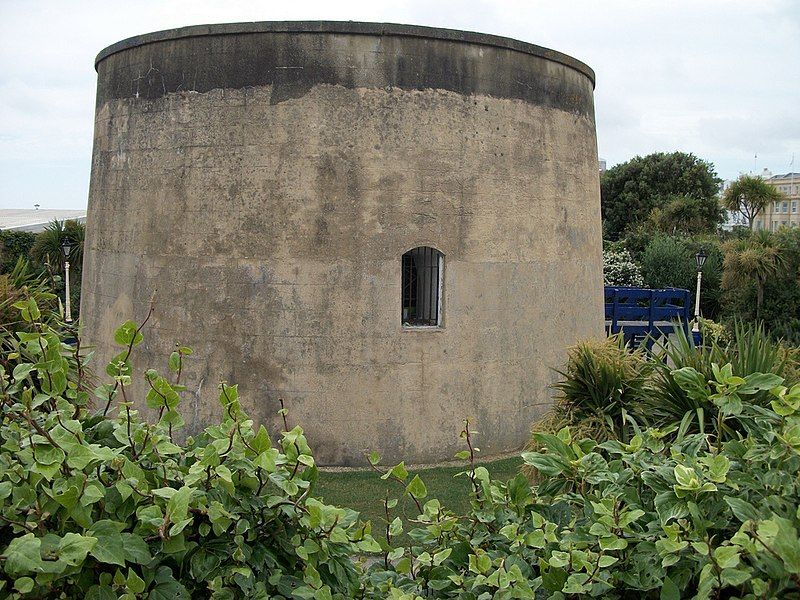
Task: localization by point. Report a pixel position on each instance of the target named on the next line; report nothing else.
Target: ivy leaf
(134, 583)
(261, 441)
(758, 382)
(135, 549)
(23, 585)
(109, 547)
(742, 509)
(174, 362)
(178, 505)
(74, 548)
(670, 591)
(167, 587)
(23, 555)
(126, 334)
(417, 488)
(399, 471)
(691, 382)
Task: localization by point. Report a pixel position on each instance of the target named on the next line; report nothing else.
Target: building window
(422, 287)
(794, 206)
(786, 207)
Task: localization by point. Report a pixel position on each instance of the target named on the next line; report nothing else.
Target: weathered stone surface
(272, 221)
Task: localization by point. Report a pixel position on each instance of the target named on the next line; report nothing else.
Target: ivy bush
(697, 517)
(98, 503)
(102, 504)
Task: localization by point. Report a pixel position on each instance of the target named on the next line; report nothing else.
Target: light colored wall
(273, 234)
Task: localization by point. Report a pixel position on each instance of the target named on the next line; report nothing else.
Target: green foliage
(48, 245)
(100, 503)
(602, 382)
(631, 190)
(666, 403)
(668, 262)
(752, 261)
(22, 283)
(646, 519)
(688, 215)
(103, 504)
(13, 245)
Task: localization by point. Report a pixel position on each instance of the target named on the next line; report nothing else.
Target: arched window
(422, 287)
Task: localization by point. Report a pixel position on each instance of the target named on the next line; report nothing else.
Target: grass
(365, 491)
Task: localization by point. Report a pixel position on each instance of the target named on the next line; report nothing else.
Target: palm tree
(47, 248)
(755, 258)
(748, 196)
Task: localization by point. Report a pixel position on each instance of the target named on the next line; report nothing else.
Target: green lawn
(364, 491)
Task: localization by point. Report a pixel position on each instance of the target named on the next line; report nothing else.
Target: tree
(47, 248)
(688, 215)
(668, 262)
(753, 259)
(748, 196)
(631, 190)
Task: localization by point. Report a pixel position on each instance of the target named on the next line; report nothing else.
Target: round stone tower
(389, 227)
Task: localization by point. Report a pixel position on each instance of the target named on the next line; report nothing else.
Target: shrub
(668, 262)
(666, 402)
(20, 284)
(620, 270)
(13, 246)
(102, 506)
(601, 383)
(644, 519)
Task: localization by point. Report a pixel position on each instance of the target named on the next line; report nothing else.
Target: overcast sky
(720, 79)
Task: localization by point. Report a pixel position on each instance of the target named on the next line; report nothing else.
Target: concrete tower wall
(266, 179)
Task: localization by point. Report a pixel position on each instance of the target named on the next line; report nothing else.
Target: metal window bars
(421, 287)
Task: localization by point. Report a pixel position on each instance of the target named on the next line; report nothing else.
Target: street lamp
(700, 258)
(66, 247)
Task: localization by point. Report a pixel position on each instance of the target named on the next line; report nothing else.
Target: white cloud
(718, 78)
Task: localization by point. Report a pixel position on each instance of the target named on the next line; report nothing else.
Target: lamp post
(66, 247)
(700, 258)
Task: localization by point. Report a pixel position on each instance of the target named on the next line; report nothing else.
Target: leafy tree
(668, 262)
(688, 215)
(782, 291)
(748, 196)
(751, 260)
(631, 190)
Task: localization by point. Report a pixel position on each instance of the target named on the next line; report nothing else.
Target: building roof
(23, 219)
(785, 176)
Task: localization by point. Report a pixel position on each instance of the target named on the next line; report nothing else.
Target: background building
(784, 213)
(35, 220)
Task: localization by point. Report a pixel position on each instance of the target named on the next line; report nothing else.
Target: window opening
(422, 287)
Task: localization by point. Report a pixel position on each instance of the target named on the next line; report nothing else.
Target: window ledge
(422, 328)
